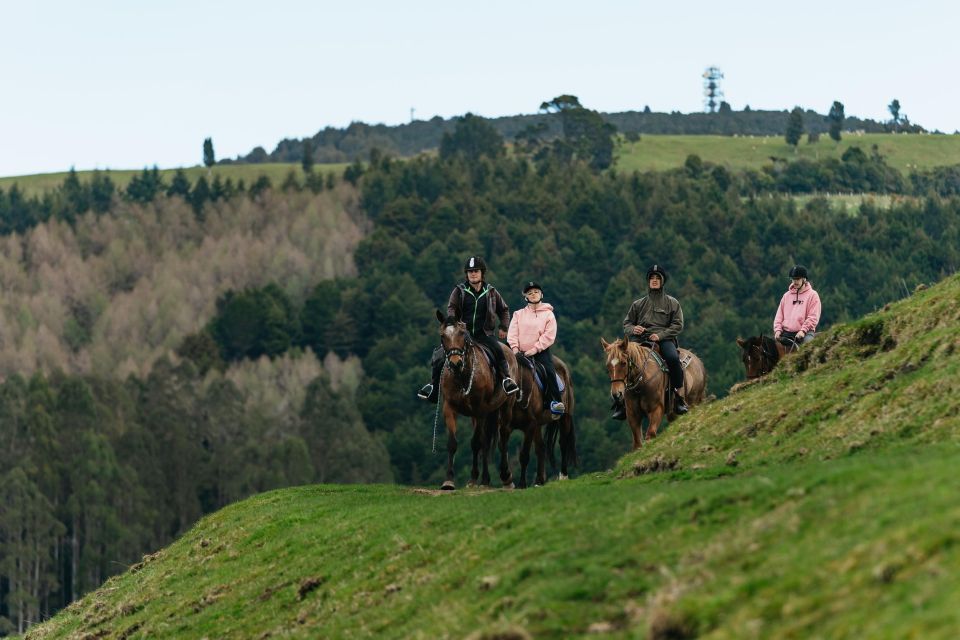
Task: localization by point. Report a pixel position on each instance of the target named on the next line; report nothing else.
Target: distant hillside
(276, 172)
(818, 503)
(357, 140)
(906, 153)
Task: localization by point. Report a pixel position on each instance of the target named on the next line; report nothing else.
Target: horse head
(618, 365)
(759, 355)
(455, 340)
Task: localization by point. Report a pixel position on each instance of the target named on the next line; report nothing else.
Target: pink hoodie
(532, 328)
(798, 310)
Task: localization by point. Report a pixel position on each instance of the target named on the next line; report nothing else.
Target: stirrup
(509, 386)
(557, 408)
(425, 391)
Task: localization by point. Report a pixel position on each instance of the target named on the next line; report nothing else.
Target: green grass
(277, 172)
(820, 502)
(903, 152)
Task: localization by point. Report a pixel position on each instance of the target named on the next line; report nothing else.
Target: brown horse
(760, 354)
(637, 377)
(529, 417)
(469, 388)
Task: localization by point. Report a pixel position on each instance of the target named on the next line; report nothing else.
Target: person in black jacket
(481, 307)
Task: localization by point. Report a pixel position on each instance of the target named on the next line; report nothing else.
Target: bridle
(630, 386)
(466, 351)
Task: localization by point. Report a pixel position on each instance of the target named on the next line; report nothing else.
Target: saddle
(669, 393)
(539, 371)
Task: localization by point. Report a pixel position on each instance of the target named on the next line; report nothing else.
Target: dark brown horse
(529, 417)
(468, 386)
(637, 377)
(760, 354)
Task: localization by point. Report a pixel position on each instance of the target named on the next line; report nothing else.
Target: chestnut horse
(469, 387)
(760, 354)
(529, 417)
(637, 377)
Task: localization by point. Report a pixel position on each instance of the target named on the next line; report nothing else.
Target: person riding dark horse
(532, 331)
(657, 318)
(799, 312)
(481, 307)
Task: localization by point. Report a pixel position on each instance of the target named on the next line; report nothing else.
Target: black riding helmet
(532, 285)
(657, 269)
(475, 262)
(798, 271)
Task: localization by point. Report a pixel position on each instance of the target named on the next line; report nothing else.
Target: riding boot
(679, 405)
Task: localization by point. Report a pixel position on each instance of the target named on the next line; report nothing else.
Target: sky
(124, 85)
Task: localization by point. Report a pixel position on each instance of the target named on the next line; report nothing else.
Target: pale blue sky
(129, 84)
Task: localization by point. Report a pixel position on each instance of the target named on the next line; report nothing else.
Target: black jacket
(481, 311)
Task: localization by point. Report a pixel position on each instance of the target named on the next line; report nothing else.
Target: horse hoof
(563, 476)
(448, 486)
(471, 484)
(510, 486)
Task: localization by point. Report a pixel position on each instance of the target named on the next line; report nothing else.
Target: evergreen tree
(208, 157)
(794, 127)
(180, 185)
(472, 138)
(306, 161)
(836, 118)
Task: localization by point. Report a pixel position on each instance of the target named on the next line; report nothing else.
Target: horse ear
(604, 343)
(624, 342)
(741, 342)
(439, 316)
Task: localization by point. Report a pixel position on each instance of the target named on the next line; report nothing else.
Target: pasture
(903, 152)
(820, 502)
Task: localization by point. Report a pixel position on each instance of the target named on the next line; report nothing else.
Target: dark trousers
(668, 349)
(552, 389)
(500, 361)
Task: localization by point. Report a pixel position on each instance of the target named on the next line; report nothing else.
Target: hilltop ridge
(820, 501)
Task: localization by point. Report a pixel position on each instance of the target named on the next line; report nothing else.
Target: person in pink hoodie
(799, 310)
(532, 331)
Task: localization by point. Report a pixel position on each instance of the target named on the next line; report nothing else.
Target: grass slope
(818, 503)
(903, 152)
(277, 172)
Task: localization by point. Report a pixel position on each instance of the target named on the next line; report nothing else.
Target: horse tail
(570, 436)
(553, 431)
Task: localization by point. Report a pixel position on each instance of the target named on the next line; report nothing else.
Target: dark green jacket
(656, 312)
(481, 311)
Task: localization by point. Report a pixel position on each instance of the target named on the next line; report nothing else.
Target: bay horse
(637, 377)
(529, 417)
(469, 388)
(760, 354)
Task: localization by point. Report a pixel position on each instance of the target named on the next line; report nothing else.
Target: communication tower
(712, 94)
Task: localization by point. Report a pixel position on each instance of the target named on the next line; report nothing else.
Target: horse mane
(632, 350)
(450, 321)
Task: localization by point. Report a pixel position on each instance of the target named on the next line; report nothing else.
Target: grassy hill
(903, 152)
(818, 503)
(277, 172)
(652, 152)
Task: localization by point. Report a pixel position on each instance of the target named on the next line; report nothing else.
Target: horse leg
(654, 417)
(541, 450)
(488, 423)
(524, 458)
(450, 418)
(476, 446)
(635, 420)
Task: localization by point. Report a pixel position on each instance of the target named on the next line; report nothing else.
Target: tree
(894, 108)
(794, 127)
(208, 158)
(585, 133)
(472, 138)
(307, 160)
(835, 117)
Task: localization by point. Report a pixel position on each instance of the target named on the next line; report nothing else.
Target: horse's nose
(618, 395)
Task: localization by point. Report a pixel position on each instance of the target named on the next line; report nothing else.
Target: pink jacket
(798, 310)
(532, 328)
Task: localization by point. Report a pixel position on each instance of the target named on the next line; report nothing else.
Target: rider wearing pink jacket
(532, 331)
(799, 310)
